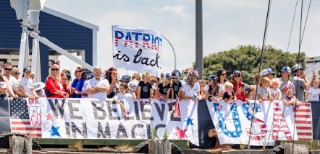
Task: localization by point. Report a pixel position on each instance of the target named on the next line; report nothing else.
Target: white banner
(137, 49)
(271, 121)
(90, 118)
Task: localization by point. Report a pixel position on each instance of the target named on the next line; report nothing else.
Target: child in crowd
(163, 90)
(275, 90)
(175, 85)
(145, 90)
(314, 91)
(26, 84)
(65, 81)
(227, 94)
(123, 95)
(289, 98)
(202, 89)
(264, 90)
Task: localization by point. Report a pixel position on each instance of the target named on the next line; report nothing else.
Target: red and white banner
(262, 122)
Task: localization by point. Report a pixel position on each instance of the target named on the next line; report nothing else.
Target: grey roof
(71, 19)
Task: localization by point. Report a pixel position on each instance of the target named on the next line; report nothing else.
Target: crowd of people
(174, 85)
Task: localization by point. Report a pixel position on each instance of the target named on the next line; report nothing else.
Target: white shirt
(221, 87)
(102, 96)
(188, 91)
(27, 84)
(273, 92)
(134, 84)
(13, 82)
(313, 94)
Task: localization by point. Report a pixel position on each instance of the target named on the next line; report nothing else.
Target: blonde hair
(145, 75)
(14, 70)
(136, 76)
(264, 80)
(228, 85)
(191, 75)
(275, 80)
(58, 78)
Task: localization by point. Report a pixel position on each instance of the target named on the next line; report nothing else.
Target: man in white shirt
(97, 87)
(9, 79)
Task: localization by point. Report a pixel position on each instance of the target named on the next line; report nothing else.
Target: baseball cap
(236, 72)
(176, 73)
(168, 76)
(296, 67)
(285, 69)
(212, 77)
(267, 71)
(125, 78)
(27, 69)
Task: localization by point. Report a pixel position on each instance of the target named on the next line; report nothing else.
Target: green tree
(247, 60)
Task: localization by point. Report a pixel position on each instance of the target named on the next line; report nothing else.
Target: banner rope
(260, 66)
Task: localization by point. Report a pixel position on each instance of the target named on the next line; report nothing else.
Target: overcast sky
(226, 24)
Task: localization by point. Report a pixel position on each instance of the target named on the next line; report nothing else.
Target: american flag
(19, 119)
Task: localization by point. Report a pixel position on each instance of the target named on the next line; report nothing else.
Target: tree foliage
(247, 60)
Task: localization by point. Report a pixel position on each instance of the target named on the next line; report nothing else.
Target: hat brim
(123, 81)
(38, 85)
(208, 78)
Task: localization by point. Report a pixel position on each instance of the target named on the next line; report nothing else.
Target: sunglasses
(17, 73)
(8, 69)
(55, 69)
(237, 75)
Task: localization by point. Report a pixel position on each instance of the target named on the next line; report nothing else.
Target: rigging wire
(294, 15)
(260, 66)
(296, 77)
(306, 20)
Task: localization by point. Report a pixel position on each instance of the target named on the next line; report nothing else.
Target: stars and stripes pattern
(279, 123)
(303, 122)
(19, 119)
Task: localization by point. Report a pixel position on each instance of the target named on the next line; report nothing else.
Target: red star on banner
(49, 117)
(181, 133)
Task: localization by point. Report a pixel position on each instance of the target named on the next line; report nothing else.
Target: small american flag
(19, 119)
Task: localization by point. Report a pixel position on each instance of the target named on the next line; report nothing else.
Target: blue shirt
(77, 84)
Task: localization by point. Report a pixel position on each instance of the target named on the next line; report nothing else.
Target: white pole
(35, 64)
(24, 52)
(60, 50)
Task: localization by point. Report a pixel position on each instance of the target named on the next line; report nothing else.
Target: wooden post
(28, 145)
(16, 144)
(159, 147)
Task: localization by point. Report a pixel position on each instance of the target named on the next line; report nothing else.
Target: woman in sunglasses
(54, 87)
(191, 88)
(222, 79)
(239, 86)
(212, 88)
(78, 83)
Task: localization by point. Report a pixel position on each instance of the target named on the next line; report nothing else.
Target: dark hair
(108, 74)
(219, 74)
(83, 73)
(215, 91)
(125, 86)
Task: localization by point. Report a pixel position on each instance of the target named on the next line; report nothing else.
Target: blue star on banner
(189, 121)
(54, 131)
